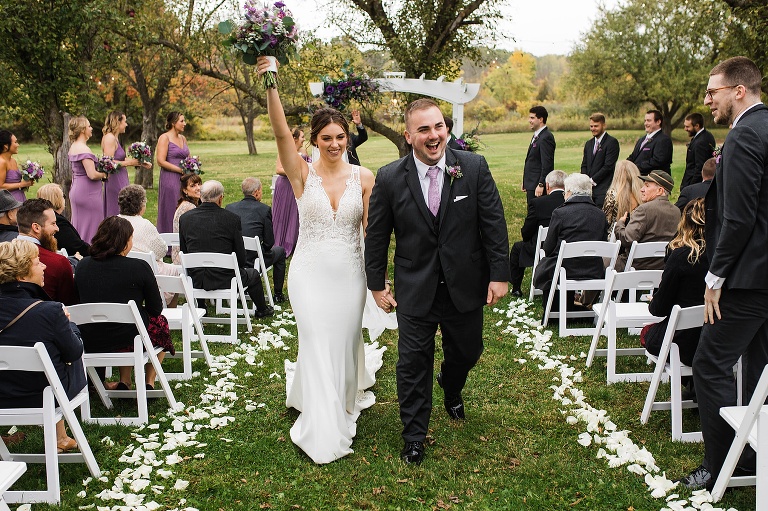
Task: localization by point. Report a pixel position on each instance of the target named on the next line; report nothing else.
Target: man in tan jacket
(655, 219)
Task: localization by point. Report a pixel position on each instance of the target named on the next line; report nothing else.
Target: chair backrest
(604, 249)
(148, 257)
(642, 280)
(645, 250)
(32, 359)
(177, 284)
(170, 238)
(685, 318)
(540, 238)
(253, 243)
(209, 260)
(105, 312)
(612, 233)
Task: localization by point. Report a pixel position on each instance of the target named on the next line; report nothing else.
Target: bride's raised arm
(294, 166)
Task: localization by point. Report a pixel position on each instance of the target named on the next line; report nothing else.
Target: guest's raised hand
(356, 117)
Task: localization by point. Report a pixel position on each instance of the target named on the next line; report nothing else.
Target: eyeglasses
(711, 92)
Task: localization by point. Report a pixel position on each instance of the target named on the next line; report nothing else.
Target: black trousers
(517, 270)
(462, 345)
(276, 259)
(742, 332)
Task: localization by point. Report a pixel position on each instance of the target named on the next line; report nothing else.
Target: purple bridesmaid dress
(114, 184)
(14, 176)
(285, 215)
(170, 188)
(86, 196)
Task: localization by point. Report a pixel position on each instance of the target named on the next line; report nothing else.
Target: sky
(539, 27)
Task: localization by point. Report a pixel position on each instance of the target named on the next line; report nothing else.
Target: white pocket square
(460, 197)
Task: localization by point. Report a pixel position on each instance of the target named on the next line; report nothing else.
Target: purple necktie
(434, 190)
(647, 139)
(594, 149)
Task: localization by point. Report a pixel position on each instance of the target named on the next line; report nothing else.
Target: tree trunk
(145, 177)
(248, 119)
(58, 146)
(395, 137)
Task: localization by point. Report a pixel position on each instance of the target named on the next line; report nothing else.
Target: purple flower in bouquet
(108, 165)
(717, 154)
(338, 93)
(191, 165)
(31, 171)
(263, 30)
(141, 152)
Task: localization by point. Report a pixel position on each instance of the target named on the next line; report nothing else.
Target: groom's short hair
(419, 104)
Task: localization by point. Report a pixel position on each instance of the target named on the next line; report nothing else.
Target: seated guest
(256, 220)
(655, 219)
(539, 212)
(108, 276)
(210, 228)
(67, 237)
(37, 223)
(9, 206)
(696, 190)
(681, 284)
(577, 219)
(623, 194)
(132, 202)
(190, 198)
(21, 281)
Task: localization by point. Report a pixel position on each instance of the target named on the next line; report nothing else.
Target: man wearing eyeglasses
(736, 295)
(653, 151)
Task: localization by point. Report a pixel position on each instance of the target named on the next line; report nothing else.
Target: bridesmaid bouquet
(141, 152)
(264, 30)
(32, 171)
(339, 93)
(108, 165)
(470, 141)
(191, 165)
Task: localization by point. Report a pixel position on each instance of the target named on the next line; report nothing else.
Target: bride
(326, 284)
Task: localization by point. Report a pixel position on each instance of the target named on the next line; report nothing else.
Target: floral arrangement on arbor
(191, 165)
(470, 141)
(32, 170)
(263, 30)
(108, 165)
(338, 93)
(141, 151)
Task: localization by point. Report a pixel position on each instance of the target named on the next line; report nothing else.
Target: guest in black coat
(21, 281)
(653, 151)
(700, 149)
(601, 153)
(128, 279)
(578, 219)
(681, 284)
(67, 237)
(356, 140)
(696, 190)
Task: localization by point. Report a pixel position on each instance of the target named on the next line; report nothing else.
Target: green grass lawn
(514, 451)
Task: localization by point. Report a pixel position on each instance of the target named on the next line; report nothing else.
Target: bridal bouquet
(470, 141)
(141, 152)
(263, 30)
(31, 171)
(191, 165)
(108, 165)
(339, 93)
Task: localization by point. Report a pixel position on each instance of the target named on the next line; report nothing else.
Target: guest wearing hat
(8, 208)
(655, 219)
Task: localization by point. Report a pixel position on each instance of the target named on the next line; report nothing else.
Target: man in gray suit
(736, 295)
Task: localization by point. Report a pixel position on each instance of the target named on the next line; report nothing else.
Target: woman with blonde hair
(114, 125)
(682, 283)
(67, 236)
(86, 194)
(624, 193)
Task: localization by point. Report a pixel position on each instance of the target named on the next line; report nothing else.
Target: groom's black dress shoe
(413, 453)
(453, 405)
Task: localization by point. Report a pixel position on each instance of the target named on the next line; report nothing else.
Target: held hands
(712, 305)
(496, 290)
(384, 299)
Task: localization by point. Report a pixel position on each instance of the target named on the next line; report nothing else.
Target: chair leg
(53, 493)
(761, 498)
(675, 399)
(610, 326)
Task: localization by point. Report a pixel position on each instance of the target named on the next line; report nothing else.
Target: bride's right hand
(263, 64)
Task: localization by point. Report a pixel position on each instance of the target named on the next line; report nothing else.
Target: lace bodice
(319, 223)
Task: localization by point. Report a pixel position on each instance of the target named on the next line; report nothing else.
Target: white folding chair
(10, 472)
(170, 238)
(185, 317)
(142, 353)
(612, 233)
(751, 425)
(561, 283)
(36, 359)
(540, 237)
(253, 243)
(148, 257)
(236, 290)
(650, 249)
(612, 315)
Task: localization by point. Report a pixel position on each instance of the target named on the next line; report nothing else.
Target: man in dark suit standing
(601, 153)
(356, 140)
(653, 151)
(697, 190)
(700, 149)
(540, 159)
(539, 212)
(210, 228)
(736, 295)
(256, 220)
(450, 260)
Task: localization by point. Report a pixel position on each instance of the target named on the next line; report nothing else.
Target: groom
(450, 261)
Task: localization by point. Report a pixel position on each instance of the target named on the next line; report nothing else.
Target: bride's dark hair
(323, 118)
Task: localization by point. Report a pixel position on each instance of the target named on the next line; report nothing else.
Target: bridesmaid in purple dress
(114, 126)
(171, 149)
(86, 194)
(10, 175)
(285, 211)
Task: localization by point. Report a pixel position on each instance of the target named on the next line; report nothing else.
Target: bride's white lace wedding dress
(327, 286)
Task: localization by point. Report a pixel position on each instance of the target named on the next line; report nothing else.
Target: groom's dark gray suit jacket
(468, 240)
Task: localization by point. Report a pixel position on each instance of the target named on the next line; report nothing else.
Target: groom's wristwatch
(541, 185)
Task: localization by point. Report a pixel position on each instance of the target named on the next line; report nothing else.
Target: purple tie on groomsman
(596, 147)
(434, 190)
(647, 139)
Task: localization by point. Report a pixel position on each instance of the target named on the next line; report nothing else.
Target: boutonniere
(717, 154)
(535, 138)
(454, 171)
